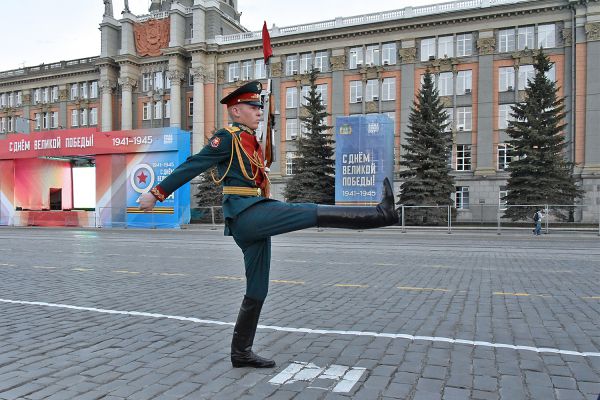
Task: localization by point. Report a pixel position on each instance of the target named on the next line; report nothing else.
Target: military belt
(242, 190)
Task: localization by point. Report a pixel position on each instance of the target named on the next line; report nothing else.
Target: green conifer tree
(314, 167)
(539, 173)
(426, 181)
(208, 195)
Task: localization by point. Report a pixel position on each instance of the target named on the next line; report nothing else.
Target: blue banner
(364, 157)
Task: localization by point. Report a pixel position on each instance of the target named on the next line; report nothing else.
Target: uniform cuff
(159, 193)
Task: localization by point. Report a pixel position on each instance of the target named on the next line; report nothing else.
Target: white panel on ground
(345, 377)
(287, 373)
(349, 380)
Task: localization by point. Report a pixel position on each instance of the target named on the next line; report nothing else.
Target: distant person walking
(537, 219)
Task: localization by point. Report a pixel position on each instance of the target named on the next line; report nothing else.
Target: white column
(127, 85)
(176, 78)
(198, 118)
(106, 90)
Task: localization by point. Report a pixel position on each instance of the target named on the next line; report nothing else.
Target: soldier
(251, 217)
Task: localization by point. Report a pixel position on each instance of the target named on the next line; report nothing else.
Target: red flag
(266, 38)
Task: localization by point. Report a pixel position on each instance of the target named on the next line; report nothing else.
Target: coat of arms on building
(151, 36)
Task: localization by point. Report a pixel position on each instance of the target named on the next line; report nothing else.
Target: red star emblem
(142, 178)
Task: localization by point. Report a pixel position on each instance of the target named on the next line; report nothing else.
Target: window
(356, 57)
(54, 93)
(355, 91)
(305, 63)
(464, 45)
(445, 46)
(93, 116)
(233, 72)
(506, 79)
(191, 106)
(504, 116)
(3, 100)
(464, 118)
(289, 162)
(504, 157)
(83, 90)
(45, 95)
(291, 129)
(19, 98)
(259, 69)
(526, 73)
(446, 84)
(291, 97)
(506, 40)
(322, 90)
(464, 82)
(12, 121)
(37, 96)
(84, 116)
(3, 125)
(167, 82)
(463, 157)
(11, 100)
(462, 197)
(167, 110)
(372, 90)
(551, 74)
(146, 83)
(388, 89)
(54, 119)
(74, 118)
(526, 36)
(146, 111)
(158, 80)
(322, 61)
(291, 64)
(74, 91)
(546, 36)
(246, 70)
(427, 48)
(45, 120)
(388, 53)
(449, 119)
(94, 90)
(38, 120)
(158, 106)
(304, 94)
(372, 55)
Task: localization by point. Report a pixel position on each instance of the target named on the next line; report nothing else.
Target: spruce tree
(426, 181)
(539, 173)
(313, 179)
(209, 195)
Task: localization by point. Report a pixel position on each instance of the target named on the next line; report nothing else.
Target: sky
(47, 31)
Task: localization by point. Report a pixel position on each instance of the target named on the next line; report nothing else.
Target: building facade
(171, 67)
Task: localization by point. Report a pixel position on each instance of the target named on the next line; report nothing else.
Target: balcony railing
(47, 67)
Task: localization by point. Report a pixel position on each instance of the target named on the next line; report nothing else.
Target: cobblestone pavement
(138, 314)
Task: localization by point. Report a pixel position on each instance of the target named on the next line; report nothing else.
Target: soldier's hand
(147, 202)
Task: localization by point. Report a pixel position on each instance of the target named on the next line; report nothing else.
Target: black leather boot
(383, 214)
(243, 337)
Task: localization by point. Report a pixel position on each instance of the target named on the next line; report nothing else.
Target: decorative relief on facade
(151, 36)
(63, 95)
(338, 63)
(446, 101)
(27, 98)
(593, 31)
(408, 55)
(523, 57)
(220, 76)
(127, 84)
(200, 74)
(276, 70)
(176, 77)
(486, 46)
(567, 36)
(106, 87)
(444, 64)
(154, 68)
(371, 107)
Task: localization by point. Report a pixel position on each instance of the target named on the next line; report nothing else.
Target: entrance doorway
(55, 198)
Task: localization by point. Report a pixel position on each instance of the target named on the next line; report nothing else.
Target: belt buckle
(258, 191)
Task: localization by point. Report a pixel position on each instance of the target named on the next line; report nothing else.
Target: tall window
(38, 120)
(37, 96)
(19, 98)
(54, 119)
(356, 57)
(355, 91)
(158, 109)
(388, 89)
(3, 100)
(246, 70)
(146, 82)
(504, 157)
(526, 37)
(84, 115)
(446, 84)
(464, 44)
(388, 53)
(304, 94)
(322, 61)
(83, 90)
(146, 111)
(233, 71)
(94, 90)
(54, 93)
(504, 117)
(463, 157)
(2, 124)
(322, 89)
(526, 73)
(427, 48)
(259, 69)
(291, 64)
(191, 107)
(445, 46)
(449, 119)
(464, 81)
(506, 40)
(291, 129)
(12, 122)
(551, 74)
(506, 79)
(45, 95)
(289, 162)
(291, 97)
(462, 197)
(74, 117)
(45, 120)
(93, 116)
(464, 118)
(546, 36)
(305, 62)
(372, 90)
(372, 55)
(74, 91)
(167, 109)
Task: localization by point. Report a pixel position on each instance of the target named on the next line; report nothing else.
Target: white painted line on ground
(313, 331)
(287, 373)
(349, 380)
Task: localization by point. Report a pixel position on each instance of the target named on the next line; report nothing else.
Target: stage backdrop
(364, 157)
(128, 163)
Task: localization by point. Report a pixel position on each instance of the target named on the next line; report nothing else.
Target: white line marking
(349, 380)
(314, 331)
(287, 373)
(334, 372)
